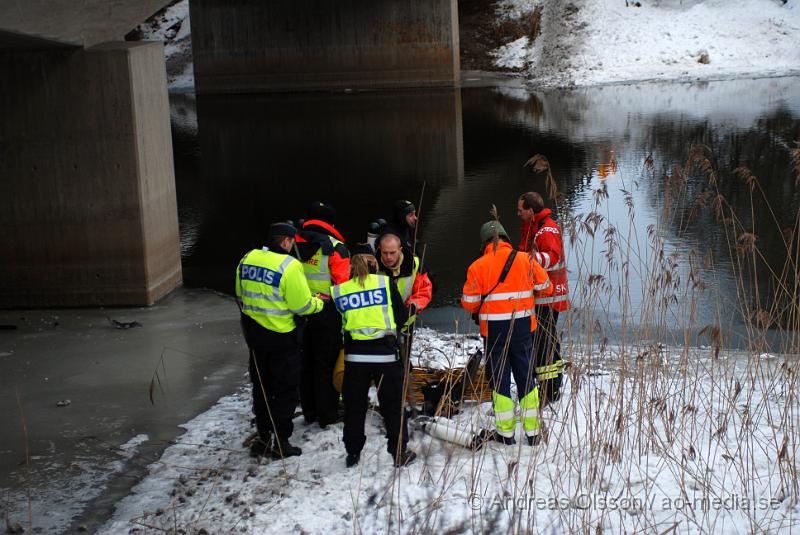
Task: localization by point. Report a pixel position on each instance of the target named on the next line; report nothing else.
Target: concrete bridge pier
(88, 211)
(254, 46)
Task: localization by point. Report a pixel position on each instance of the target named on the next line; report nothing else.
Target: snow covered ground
(651, 443)
(172, 27)
(590, 42)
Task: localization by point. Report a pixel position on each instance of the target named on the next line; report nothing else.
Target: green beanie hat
(490, 228)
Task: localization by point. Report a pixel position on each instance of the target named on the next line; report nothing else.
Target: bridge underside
(87, 189)
(285, 45)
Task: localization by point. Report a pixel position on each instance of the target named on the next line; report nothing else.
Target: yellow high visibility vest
(272, 289)
(366, 311)
(405, 284)
(317, 271)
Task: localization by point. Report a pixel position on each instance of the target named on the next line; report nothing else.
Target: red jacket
(542, 235)
(314, 235)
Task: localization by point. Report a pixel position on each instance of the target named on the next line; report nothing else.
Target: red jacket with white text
(541, 237)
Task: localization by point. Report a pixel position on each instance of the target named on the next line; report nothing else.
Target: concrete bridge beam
(87, 188)
(285, 45)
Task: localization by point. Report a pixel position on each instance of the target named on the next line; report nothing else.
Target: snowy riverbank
(591, 42)
(684, 441)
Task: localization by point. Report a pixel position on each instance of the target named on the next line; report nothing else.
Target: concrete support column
(87, 186)
(285, 45)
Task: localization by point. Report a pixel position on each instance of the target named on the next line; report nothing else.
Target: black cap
(282, 229)
(323, 212)
(361, 248)
(402, 208)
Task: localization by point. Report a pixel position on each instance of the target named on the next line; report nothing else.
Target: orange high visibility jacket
(514, 297)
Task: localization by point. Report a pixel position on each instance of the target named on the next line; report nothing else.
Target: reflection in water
(265, 158)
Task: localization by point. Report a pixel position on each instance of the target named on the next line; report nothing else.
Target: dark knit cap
(361, 248)
(323, 212)
(281, 229)
(402, 208)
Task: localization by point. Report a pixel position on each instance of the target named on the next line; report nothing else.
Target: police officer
(371, 355)
(271, 288)
(326, 261)
(500, 288)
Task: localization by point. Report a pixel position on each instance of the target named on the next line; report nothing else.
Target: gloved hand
(412, 317)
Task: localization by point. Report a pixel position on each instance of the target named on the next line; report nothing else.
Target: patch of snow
(129, 448)
(514, 9)
(55, 501)
(592, 42)
(512, 55)
(172, 26)
(659, 444)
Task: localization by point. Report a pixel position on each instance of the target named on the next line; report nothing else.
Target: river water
(243, 162)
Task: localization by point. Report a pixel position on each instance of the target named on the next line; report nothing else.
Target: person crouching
(371, 354)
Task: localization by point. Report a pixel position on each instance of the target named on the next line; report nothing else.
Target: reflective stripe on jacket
(514, 297)
(405, 284)
(366, 313)
(545, 234)
(272, 288)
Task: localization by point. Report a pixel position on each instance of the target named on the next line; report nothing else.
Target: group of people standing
(305, 297)
(359, 300)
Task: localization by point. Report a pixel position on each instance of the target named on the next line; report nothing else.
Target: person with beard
(404, 223)
(326, 262)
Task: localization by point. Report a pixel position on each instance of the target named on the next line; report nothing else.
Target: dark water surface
(245, 161)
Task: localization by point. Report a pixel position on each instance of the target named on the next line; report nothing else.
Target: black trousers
(388, 378)
(275, 374)
(322, 340)
(547, 351)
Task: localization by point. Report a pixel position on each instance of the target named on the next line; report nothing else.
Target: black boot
(259, 447)
(281, 450)
(352, 459)
(405, 458)
(487, 435)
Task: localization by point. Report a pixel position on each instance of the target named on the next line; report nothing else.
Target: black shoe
(534, 440)
(258, 447)
(323, 424)
(487, 435)
(284, 449)
(352, 459)
(405, 458)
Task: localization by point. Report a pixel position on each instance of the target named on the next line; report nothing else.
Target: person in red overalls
(541, 237)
